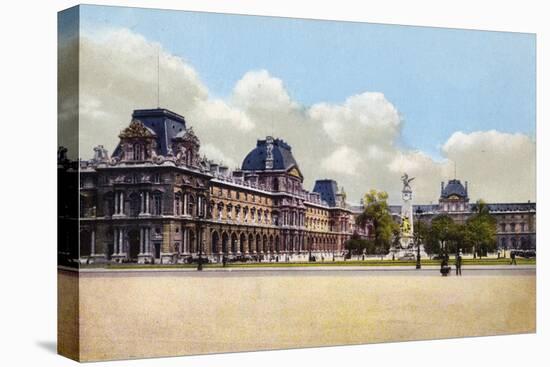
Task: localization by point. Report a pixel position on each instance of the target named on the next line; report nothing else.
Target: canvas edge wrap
(68, 323)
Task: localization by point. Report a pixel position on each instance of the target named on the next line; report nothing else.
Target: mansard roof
(165, 123)
(454, 187)
(282, 156)
(328, 190)
(511, 207)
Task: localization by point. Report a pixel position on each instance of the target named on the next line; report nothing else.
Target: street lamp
(418, 239)
(418, 265)
(200, 215)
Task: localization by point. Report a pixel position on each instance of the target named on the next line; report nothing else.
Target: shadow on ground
(48, 345)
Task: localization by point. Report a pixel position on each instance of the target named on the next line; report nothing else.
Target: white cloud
(343, 160)
(499, 166)
(354, 142)
(214, 153)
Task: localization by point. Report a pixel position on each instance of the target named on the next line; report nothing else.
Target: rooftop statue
(406, 180)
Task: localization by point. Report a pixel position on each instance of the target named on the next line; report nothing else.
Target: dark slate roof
(282, 156)
(454, 187)
(425, 208)
(165, 123)
(493, 208)
(510, 207)
(328, 190)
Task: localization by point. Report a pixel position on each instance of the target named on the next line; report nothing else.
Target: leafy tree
(378, 213)
(357, 246)
(441, 232)
(481, 230)
(421, 233)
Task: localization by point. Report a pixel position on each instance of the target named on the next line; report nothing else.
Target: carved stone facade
(155, 200)
(516, 222)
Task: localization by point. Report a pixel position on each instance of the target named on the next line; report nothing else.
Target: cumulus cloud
(343, 160)
(354, 142)
(500, 166)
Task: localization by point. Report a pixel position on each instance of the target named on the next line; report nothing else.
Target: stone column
(120, 240)
(185, 204)
(141, 240)
(115, 242)
(92, 252)
(122, 202)
(184, 239)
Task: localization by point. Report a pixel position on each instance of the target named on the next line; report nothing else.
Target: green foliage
(480, 230)
(377, 212)
(357, 246)
(444, 235)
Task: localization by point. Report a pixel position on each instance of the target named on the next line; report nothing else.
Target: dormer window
(138, 152)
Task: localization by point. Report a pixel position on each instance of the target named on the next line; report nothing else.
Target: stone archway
(215, 242)
(242, 244)
(277, 244)
(251, 246)
(234, 244)
(259, 243)
(225, 242)
(133, 245)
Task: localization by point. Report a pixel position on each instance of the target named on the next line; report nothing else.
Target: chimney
(442, 185)
(466, 188)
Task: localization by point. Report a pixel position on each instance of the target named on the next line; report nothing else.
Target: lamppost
(200, 215)
(418, 265)
(418, 239)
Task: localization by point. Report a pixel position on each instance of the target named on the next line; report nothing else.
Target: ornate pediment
(295, 172)
(136, 129)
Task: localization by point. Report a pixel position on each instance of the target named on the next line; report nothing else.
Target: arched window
(190, 205)
(157, 203)
(135, 204)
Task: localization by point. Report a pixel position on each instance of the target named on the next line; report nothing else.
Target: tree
(441, 233)
(481, 230)
(421, 233)
(378, 213)
(358, 246)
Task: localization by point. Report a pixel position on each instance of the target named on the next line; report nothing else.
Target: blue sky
(440, 80)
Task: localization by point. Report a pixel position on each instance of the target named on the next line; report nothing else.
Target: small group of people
(446, 269)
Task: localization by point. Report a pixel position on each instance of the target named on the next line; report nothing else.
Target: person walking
(458, 264)
(513, 257)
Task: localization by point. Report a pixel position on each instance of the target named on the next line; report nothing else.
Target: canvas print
(232, 183)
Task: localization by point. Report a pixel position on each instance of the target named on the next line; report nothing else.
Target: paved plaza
(133, 313)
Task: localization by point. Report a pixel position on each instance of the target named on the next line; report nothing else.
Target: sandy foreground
(152, 314)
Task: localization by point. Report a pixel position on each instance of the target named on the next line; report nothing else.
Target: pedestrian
(224, 261)
(513, 257)
(459, 264)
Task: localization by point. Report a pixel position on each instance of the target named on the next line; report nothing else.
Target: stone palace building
(156, 200)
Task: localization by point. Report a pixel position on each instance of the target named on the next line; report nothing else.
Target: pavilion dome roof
(454, 187)
(281, 152)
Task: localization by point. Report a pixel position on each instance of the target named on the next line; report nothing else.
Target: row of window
(238, 195)
(514, 227)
